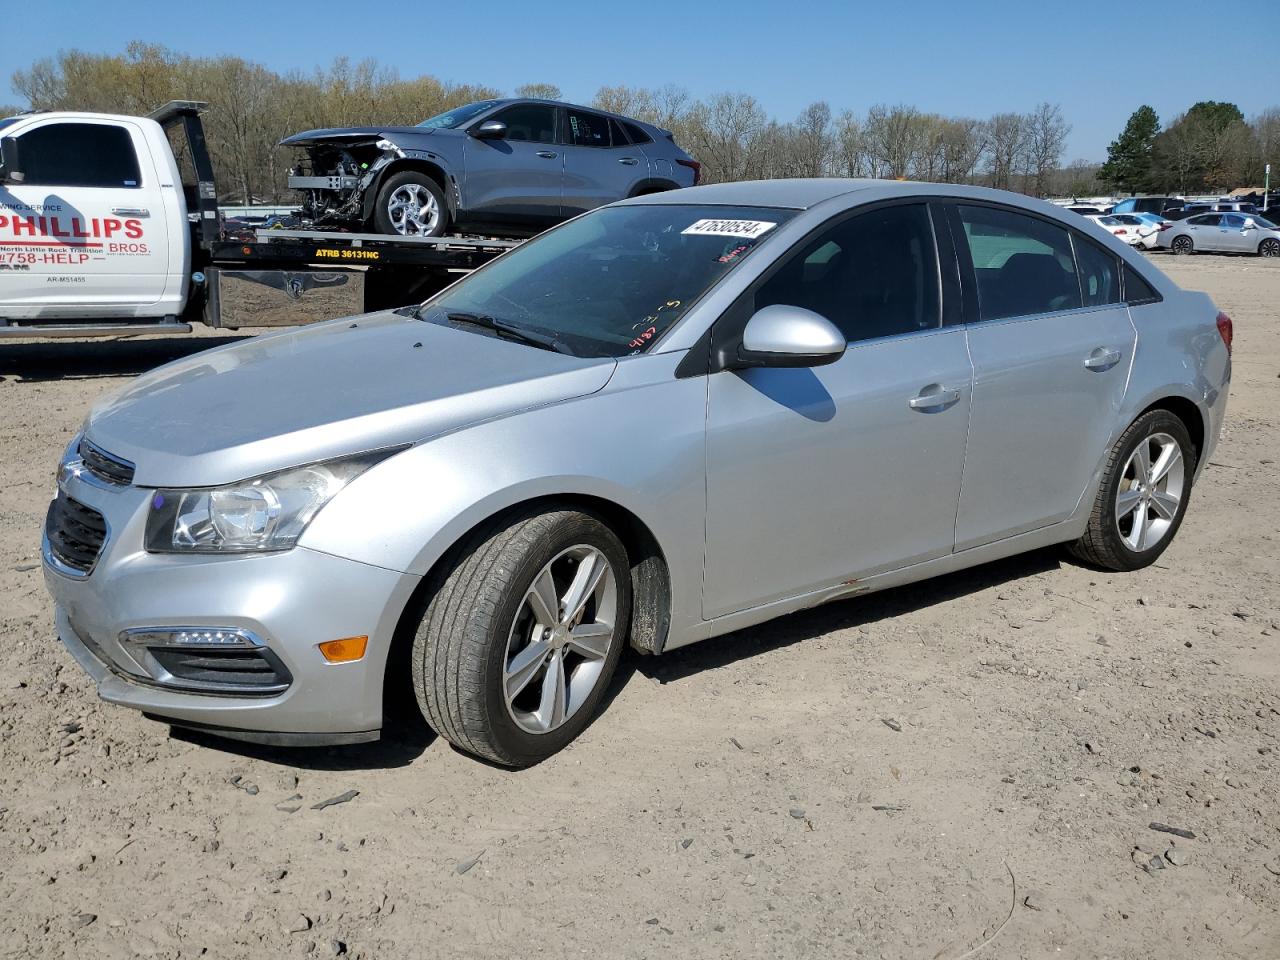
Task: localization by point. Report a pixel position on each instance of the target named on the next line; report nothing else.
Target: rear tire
(1183, 246)
(1269, 247)
(410, 204)
(1154, 496)
(482, 635)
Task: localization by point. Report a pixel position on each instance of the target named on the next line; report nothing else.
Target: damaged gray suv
(498, 167)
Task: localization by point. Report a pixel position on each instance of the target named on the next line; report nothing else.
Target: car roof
(807, 193)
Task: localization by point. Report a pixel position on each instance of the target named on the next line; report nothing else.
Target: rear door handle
(130, 212)
(629, 161)
(933, 397)
(1102, 359)
(547, 154)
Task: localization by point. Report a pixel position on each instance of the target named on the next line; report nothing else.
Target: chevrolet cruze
(660, 422)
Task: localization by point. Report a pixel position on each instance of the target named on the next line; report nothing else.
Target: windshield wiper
(510, 330)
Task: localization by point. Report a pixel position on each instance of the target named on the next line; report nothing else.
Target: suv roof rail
(177, 108)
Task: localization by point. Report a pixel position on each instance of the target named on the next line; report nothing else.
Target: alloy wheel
(1150, 492)
(560, 639)
(1270, 248)
(413, 210)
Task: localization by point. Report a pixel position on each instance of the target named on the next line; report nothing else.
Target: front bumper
(289, 601)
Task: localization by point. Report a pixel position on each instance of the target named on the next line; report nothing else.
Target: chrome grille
(105, 466)
(75, 532)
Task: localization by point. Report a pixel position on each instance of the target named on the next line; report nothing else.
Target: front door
(818, 477)
(516, 180)
(84, 233)
(1051, 345)
(1205, 231)
(600, 164)
(1232, 235)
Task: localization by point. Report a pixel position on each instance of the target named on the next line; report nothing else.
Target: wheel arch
(650, 582)
(652, 185)
(1189, 413)
(431, 168)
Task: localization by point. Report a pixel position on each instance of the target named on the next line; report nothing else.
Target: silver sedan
(661, 422)
(1222, 233)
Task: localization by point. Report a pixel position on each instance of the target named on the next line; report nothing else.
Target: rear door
(84, 233)
(1052, 345)
(1204, 231)
(600, 163)
(518, 179)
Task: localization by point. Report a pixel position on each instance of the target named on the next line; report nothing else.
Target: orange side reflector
(346, 650)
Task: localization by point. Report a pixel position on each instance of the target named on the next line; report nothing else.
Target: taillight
(1165, 226)
(1121, 232)
(1226, 330)
(695, 166)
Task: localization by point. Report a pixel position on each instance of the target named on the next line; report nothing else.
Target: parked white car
(1142, 228)
(1119, 228)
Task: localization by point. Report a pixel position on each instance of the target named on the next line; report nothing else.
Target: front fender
(638, 444)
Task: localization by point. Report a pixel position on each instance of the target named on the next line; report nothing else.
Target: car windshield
(452, 119)
(612, 282)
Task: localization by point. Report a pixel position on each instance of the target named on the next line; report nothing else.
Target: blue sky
(1098, 59)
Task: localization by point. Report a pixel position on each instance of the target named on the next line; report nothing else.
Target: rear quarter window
(1136, 289)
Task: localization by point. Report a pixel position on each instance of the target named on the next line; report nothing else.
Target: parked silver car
(665, 420)
(1222, 233)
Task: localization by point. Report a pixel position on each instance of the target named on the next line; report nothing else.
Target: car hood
(324, 391)
(352, 135)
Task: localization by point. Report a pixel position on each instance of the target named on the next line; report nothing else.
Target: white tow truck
(102, 235)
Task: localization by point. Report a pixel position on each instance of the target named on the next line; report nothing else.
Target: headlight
(253, 516)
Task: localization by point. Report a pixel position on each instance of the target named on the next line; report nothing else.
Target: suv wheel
(410, 204)
(522, 634)
(1143, 496)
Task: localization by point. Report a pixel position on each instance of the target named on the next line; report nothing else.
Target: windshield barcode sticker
(751, 229)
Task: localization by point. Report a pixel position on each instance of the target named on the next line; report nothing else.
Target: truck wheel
(1143, 496)
(410, 204)
(521, 635)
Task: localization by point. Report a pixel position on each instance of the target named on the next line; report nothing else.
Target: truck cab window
(79, 155)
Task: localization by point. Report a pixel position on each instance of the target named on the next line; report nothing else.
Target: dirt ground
(902, 775)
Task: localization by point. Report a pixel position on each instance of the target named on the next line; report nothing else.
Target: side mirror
(786, 336)
(10, 161)
(490, 130)
(1250, 225)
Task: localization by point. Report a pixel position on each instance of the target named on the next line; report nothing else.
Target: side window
(1137, 290)
(1233, 221)
(1023, 265)
(534, 122)
(874, 275)
(1097, 269)
(637, 135)
(79, 155)
(1206, 220)
(588, 129)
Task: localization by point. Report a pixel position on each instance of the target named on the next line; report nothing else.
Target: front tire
(522, 634)
(1143, 497)
(1183, 245)
(410, 204)
(1269, 248)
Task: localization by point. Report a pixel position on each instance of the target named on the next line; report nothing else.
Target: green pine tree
(1128, 165)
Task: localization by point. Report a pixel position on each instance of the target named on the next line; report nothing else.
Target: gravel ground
(902, 775)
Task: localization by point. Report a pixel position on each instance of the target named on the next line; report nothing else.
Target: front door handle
(130, 212)
(1102, 359)
(629, 161)
(934, 396)
(547, 154)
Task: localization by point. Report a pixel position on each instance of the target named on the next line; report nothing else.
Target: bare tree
(1005, 134)
(811, 140)
(1045, 137)
(539, 91)
(894, 138)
